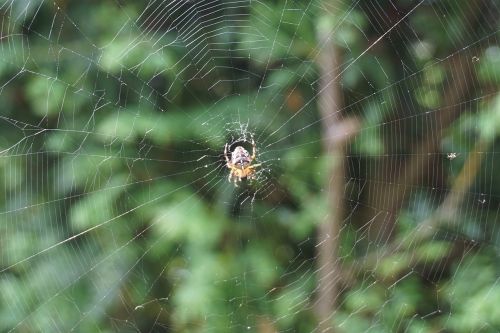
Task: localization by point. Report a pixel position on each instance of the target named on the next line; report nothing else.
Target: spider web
(117, 215)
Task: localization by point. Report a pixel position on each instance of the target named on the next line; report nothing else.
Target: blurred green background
(115, 210)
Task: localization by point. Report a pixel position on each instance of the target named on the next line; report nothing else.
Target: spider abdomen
(240, 157)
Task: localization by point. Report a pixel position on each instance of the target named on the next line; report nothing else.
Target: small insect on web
(240, 163)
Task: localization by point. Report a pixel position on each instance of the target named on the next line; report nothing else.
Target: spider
(240, 163)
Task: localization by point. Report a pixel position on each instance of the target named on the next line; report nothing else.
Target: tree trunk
(335, 133)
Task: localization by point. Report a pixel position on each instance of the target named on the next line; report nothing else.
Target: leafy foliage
(99, 140)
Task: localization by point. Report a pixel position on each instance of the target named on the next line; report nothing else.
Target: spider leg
(225, 156)
(254, 150)
(254, 166)
(232, 177)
